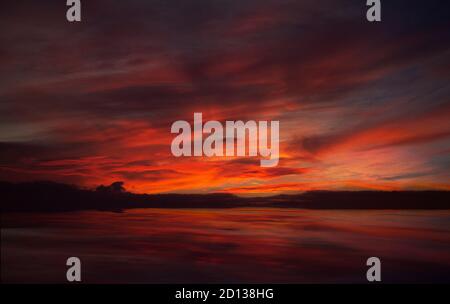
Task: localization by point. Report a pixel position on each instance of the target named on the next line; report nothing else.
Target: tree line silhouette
(47, 196)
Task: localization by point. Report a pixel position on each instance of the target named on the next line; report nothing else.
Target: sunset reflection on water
(245, 245)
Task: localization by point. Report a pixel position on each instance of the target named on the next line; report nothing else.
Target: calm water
(227, 245)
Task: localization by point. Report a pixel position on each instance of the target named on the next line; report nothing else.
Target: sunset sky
(361, 105)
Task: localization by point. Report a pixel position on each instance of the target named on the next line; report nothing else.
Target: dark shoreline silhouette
(57, 197)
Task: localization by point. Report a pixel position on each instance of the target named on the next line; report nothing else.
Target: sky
(361, 105)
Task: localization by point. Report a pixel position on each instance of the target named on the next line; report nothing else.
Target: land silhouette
(45, 196)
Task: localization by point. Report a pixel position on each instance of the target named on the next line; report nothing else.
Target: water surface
(244, 245)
